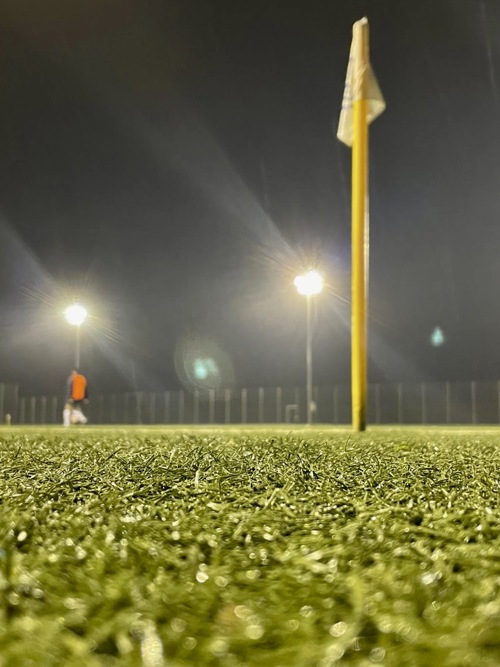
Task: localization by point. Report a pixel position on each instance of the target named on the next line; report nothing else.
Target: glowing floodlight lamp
(309, 283)
(76, 315)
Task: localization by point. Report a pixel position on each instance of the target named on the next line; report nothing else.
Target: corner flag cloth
(360, 84)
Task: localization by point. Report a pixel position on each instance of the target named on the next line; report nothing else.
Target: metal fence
(422, 403)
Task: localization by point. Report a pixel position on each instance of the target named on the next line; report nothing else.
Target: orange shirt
(78, 387)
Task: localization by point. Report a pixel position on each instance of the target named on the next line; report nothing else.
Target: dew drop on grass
(406, 631)
(429, 578)
(377, 654)
(254, 631)
(219, 647)
(13, 599)
(338, 629)
(71, 603)
(201, 577)
(242, 612)
(178, 624)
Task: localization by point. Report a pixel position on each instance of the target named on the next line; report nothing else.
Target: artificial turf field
(261, 547)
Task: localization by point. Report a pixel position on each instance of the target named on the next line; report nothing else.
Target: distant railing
(418, 403)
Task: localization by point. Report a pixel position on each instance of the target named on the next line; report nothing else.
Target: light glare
(437, 337)
(309, 283)
(75, 314)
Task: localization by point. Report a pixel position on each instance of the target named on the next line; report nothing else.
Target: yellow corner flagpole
(359, 225)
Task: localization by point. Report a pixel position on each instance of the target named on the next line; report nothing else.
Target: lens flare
(201, 365)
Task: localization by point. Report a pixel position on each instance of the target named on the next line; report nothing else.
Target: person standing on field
(77, 394)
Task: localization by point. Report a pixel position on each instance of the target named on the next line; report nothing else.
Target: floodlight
(309, 283)
(75, 314)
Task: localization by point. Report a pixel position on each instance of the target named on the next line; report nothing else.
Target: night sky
(173, 165)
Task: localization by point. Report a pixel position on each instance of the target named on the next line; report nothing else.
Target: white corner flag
(355, 83)
(362, 103)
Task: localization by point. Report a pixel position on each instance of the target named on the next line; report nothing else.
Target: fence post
(22, 410)
(54, 417)
(211, 406)
(297, 401)
(278, 404)
(166, 407)
(261, 405)
(335, 404)
(424, 403)
(100, 409)
(43, 409)
(473, 401)
(151, 407)
(2, 403)
(227, 406)
(138, 402)
(243, 406)
(498, 396)
(181, 406)
(112, 409)
(378, 416)
(400, 403)
(448, 403)
(196, 406)
(32, 410)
